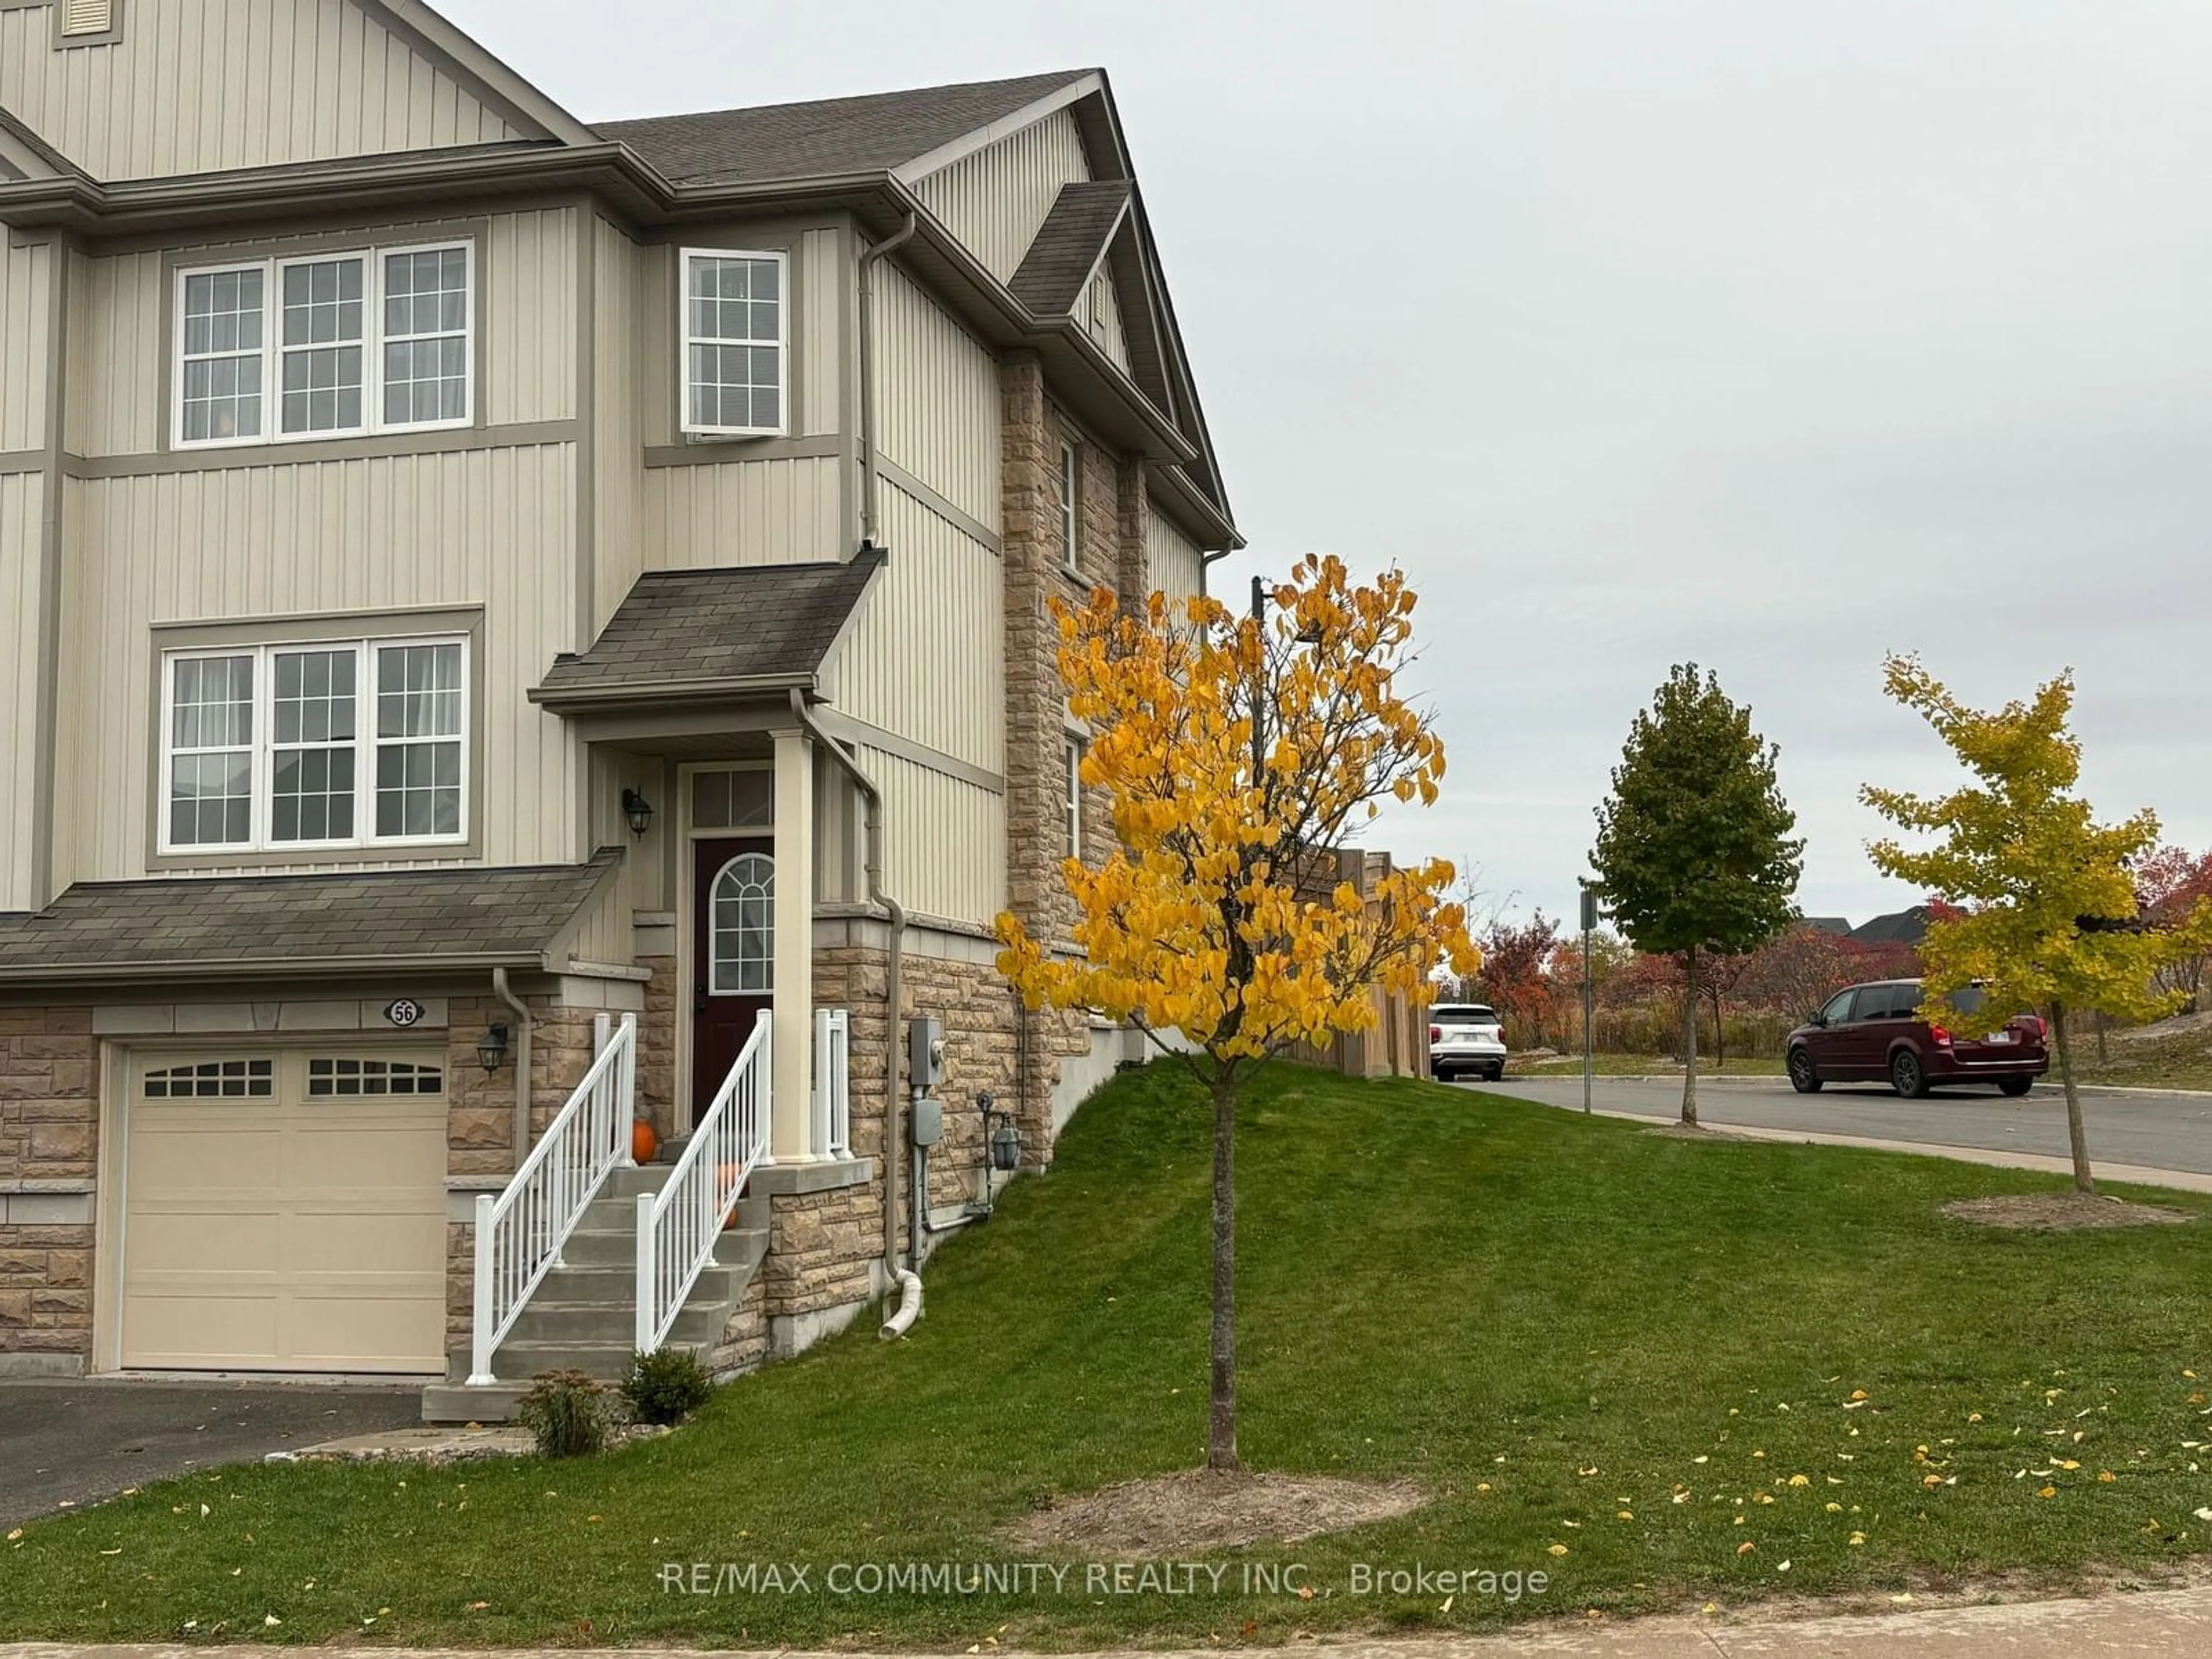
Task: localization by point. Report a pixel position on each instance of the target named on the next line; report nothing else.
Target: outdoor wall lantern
(638, 810)
(491, 1047)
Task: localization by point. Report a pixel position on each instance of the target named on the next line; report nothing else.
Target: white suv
(1465, 1037)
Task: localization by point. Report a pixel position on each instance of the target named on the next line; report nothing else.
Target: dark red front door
(732, 955)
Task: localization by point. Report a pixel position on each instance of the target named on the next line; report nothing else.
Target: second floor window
(337, 345)
(735, 335)
(1071, 493)
(1072, 797)
(357, 743)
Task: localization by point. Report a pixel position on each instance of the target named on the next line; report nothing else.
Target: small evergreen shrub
(668, 1386)
(568, 1412)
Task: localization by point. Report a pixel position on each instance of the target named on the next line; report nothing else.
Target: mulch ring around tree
(2051, 1213)
(1201, 1509)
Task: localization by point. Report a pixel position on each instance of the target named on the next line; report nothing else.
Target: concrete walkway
(2176, 1622)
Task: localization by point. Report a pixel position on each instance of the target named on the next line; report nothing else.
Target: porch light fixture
(491, 1047)
(638, 810)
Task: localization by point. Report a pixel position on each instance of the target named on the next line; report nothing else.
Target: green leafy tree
(1695, 856)
(2047, 912)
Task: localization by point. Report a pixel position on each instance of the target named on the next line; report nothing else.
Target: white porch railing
(679, 1227)
(833, 1099)
(520, 1233)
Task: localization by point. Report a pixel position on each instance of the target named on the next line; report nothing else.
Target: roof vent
(87, 17)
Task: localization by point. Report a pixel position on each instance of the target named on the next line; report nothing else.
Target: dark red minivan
(1871, 1034)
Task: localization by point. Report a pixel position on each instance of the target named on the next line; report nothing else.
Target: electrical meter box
(925, 1052)
(926, 1115)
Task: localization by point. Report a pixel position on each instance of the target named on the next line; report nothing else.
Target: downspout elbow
(505, 993)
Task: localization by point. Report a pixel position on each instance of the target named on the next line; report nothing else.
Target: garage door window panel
(213, 1079)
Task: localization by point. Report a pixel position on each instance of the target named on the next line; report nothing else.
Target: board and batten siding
(944, 848)
(27, 278)
(938, 395)
(779, 512)
(617, 418)
(490, 528)
(1174, 564)
(995, 201)
(526, 300)
(926, 658)
(199, 86)
(22, 513)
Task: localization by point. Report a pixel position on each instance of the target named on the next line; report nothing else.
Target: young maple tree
(2047, 913)
(1516, 979)
(1693, 851)
(1241, 756)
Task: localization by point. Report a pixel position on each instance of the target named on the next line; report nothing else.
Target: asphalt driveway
(64, 1445)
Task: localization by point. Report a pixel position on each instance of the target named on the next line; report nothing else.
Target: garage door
(286, 1211)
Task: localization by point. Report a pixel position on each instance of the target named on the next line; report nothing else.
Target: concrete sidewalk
(2176, 1622)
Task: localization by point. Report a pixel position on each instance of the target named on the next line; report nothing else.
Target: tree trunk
(1221, 1419)
(2077, 1138)
(2102, 1024)
(1690, 1012)
(1720, 1035)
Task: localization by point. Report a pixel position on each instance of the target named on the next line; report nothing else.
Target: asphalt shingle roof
(763, 621)
(250, 921)
(1068, 246)
(825, 138)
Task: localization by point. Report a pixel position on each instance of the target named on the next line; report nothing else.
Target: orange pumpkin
(643, 1143)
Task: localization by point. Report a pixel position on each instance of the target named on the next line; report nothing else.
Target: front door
(732, 956)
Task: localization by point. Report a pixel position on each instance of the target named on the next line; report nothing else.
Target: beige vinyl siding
(526, 307)
(1101, 315)
(197, 86)
(609, 933)
(996, 200)
(926, 658)
(119, 324)
(23, 499)
(26, 276)
(489, 528)
(945, 840)
(1173, 562)
(939, 391)
(784, 512)
(618, 432)
(819, 273)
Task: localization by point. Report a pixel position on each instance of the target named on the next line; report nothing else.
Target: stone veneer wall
(49, 1133)
(656, 1045)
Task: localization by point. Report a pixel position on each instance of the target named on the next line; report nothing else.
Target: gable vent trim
(87, 17)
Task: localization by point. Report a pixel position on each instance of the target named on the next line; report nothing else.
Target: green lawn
(1555, 1323)
(1641, 1066)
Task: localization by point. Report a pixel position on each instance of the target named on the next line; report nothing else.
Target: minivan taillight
(1942, 1037)
(2042, 1028)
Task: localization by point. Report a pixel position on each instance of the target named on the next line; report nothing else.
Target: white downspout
(870, 518)
(908, 1282)
(501, 989)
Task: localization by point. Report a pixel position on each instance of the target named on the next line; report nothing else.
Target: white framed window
(1071, 502)
(1072, 795)
(361, 743)
(737, 330)
(328, 345)
(743, 927)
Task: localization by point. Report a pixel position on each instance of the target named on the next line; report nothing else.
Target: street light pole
(1589, 997)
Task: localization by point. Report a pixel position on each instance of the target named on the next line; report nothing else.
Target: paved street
(2153, 1132)
(76, 1442)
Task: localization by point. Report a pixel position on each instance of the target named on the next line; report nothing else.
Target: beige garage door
(286, 1211)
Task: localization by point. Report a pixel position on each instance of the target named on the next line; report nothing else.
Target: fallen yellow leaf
(1858, 1538)
(1746, 1547)
(1800, 1480)
(2107, 1476)
(1858, 1394)
(1556, 1549)
(2048, 1492)
(1626, 1515)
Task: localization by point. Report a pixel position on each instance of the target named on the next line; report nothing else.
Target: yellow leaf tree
(1241, 756)
(2049, 912)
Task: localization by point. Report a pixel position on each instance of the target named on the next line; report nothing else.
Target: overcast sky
(1769, 337)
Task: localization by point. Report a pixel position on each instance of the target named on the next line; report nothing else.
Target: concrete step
(697, 1323)
(628, 1182)
(607, 1362)
(456, 1402)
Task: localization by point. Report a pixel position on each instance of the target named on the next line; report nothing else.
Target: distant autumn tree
(1796, 971)
(1695, 856)
(2049, 916)
(1516, 957)
(2169, 884)
(1241, 758)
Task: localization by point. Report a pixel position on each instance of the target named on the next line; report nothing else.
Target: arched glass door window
(743, 926)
